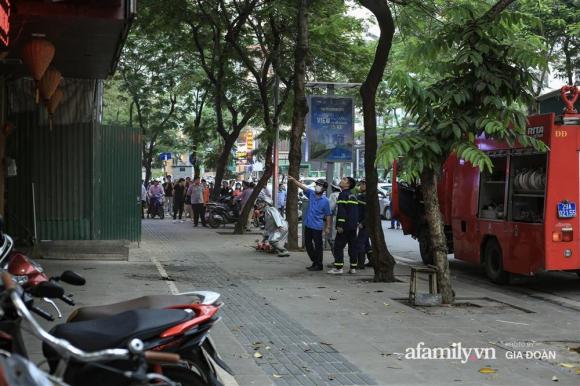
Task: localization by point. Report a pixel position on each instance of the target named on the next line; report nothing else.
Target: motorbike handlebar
(156, 357)
(42, 313)
(68, 300)
(62, 346)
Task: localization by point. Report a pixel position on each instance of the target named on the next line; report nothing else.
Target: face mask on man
(318, 189)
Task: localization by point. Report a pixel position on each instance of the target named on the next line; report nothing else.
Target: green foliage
(338, 48)
(472, 78)
(560, 29)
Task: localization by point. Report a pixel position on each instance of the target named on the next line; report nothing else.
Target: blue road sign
(164, 156)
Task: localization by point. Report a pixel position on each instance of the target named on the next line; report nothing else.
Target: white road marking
(227, 379)
(163, 273)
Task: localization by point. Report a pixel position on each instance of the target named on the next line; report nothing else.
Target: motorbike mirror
(47, 289)
(72, 278)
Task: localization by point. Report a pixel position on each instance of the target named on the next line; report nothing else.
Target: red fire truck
(521, 218)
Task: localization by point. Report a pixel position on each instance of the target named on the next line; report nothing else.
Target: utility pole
(276, 143)
(330, 88)
(329, 165)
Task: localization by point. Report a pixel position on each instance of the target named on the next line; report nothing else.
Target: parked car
(387, 188)
(384, 205)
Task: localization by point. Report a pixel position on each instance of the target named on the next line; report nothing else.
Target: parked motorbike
(224, 212)
(33, 278)
(100, 362)
(156, 207)
(199, 354)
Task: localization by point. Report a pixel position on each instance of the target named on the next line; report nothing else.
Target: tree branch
(497, 9)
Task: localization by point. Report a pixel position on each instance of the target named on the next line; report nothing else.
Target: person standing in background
(178, 199)
(394, 222)
(187, 204)
(206, 195)
(168, 188)
(237, 190)
(143, 198)
(281, 200)
(196, 193)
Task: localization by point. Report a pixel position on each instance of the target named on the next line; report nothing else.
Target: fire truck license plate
(566, 209)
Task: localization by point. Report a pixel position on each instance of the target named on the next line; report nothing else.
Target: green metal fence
(86, 178)
(117, 179)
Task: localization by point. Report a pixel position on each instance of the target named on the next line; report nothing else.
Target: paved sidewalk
(284, 325)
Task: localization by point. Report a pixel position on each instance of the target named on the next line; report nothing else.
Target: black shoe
(361, 267)
(369, 264)
(391, 227)
(311, 266)
(315, 268)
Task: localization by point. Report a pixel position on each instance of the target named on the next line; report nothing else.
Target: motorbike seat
(146, 302)
(116, 331)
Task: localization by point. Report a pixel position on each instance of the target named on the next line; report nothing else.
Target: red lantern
(52, 104)
(49, 83)
(36, 56)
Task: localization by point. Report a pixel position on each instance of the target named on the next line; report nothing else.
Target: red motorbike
(126, 349)
(189, 337)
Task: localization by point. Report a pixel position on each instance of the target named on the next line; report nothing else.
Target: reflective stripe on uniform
(341, 220)
(347, 202)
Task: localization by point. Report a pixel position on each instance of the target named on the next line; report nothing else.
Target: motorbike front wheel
(213, 222)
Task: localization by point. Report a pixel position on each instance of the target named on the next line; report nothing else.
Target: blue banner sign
(164, 156)
(330, 128)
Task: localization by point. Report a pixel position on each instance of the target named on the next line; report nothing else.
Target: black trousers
(177, 208)
(341, 240)
(362, 245)
(313, 243)
(198, 211)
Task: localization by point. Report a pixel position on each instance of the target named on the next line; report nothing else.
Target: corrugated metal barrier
(87, 176)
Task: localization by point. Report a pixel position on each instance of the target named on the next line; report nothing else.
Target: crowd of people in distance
(340, 217)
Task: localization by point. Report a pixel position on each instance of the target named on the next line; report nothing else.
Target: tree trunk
(298, 118)
(221, 167)
(438, 239)
(196, 170)
(147, 165)
(383, 261)
(241, 224)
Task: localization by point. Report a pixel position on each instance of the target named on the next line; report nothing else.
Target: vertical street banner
(330, 128)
